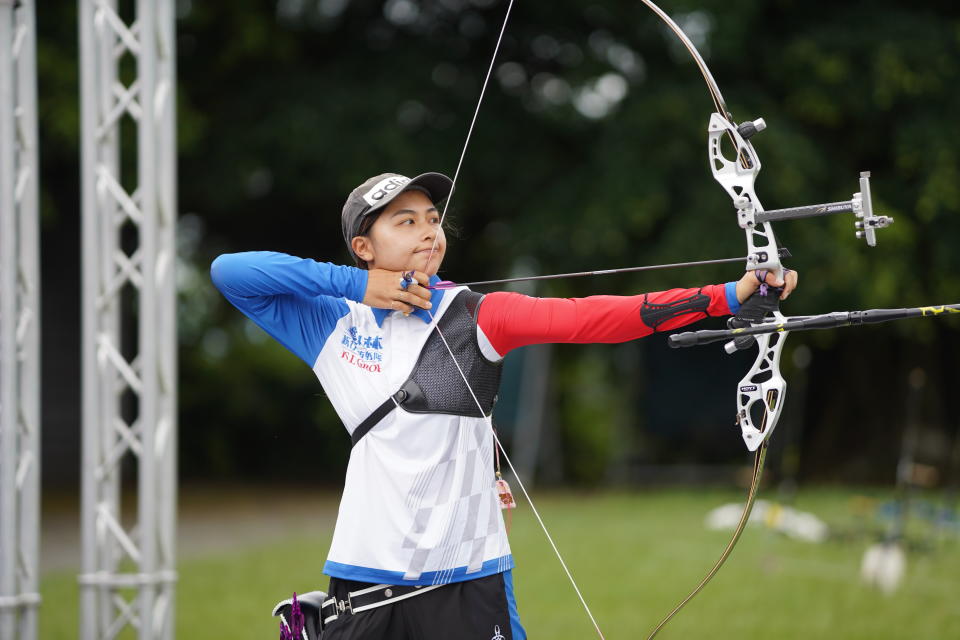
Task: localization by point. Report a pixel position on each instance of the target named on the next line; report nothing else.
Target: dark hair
(365, 224)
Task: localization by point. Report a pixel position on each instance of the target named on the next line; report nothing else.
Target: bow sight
(737, 179)
(861, 205)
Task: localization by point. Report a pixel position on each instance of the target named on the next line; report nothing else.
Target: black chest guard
(435, 385)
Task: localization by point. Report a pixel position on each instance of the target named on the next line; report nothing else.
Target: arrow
(752, 259)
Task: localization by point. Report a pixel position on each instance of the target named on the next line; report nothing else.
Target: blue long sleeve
(297, 301)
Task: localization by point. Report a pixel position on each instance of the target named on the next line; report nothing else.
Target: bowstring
(473, 122)
(433, 321)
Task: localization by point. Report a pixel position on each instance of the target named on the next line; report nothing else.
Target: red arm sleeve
(511, 320)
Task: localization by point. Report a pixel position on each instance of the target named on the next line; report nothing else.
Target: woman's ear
(363, 248)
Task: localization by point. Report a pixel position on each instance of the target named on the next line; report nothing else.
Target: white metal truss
(19, 325)
(129, 335)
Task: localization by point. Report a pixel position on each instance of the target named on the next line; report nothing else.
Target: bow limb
(712, 85)
(761, 392)
(758, 463)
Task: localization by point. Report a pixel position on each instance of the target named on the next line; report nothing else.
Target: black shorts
(481, 609)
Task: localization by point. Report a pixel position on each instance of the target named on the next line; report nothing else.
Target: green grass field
(634, 555)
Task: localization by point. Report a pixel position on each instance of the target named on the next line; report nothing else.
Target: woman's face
(406, 236)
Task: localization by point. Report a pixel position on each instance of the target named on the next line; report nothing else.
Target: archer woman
(412, 367)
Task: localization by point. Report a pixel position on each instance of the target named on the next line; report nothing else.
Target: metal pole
(166, 436)
(88, 320)
(129, 332)
(19, 325)
(8, 381)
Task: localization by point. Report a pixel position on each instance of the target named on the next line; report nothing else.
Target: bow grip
(763, 302)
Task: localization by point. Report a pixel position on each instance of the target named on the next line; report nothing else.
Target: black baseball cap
(376, 192)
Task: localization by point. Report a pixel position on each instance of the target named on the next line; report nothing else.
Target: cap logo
(384, 188)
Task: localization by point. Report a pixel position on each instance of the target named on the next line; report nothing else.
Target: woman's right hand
(385, 290)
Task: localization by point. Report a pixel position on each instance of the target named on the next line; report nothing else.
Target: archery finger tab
(421, 277)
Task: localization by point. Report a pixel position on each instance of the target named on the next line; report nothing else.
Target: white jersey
(419, 504)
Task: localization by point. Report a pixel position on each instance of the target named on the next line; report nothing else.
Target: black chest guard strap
(435, 385)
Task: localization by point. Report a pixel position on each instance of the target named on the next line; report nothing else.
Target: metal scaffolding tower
(19, 325)
(127, 66)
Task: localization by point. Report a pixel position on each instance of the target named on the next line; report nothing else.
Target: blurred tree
(589, 152)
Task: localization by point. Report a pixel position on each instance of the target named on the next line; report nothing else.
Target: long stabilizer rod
(808, 323)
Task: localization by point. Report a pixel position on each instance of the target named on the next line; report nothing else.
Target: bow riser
(762, 387)
(737, 177)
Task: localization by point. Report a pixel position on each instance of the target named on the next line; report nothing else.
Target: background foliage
(589, 153)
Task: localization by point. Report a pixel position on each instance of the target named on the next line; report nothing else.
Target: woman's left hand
(750, 282)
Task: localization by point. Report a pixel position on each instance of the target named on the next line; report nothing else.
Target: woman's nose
(429, 231)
